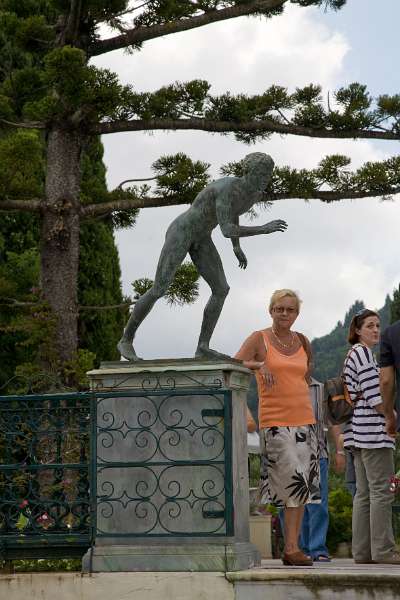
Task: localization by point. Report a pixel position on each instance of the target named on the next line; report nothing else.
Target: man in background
(316, 516)
(389, 360)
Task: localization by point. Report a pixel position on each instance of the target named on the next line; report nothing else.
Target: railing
(44, 475)
(75, 467)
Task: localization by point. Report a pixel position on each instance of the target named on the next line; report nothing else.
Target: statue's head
(258, 165)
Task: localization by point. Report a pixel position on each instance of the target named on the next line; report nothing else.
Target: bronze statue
(219, 203)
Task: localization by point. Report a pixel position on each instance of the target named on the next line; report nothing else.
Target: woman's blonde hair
(279, 294)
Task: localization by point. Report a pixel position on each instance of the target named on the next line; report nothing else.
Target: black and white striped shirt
(367, 427)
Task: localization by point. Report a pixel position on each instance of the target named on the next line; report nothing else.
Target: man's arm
(229, 223)
(387, 385)
(387, 382)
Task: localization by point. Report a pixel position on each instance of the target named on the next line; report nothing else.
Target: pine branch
(25, 124)
(263, 127)
(141, 34)
(32, 205)
(107, 208)
(330, 196)
(96, 210)
(105, 307)
(13, 302)
(119, 186)
(17, 303)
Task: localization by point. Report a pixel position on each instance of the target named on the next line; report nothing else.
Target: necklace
(287, 346)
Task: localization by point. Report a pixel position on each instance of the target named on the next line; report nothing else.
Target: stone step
(341, 579)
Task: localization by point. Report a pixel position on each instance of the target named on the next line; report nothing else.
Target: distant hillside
(329, 350)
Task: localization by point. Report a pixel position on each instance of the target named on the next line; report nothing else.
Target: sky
(331, 254)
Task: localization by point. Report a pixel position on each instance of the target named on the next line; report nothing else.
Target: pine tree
(51, 88)
(25, 326)
(395, 306)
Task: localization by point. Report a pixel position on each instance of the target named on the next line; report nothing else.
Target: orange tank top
(287, 402)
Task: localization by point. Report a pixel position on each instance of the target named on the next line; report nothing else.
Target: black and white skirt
(289, 466)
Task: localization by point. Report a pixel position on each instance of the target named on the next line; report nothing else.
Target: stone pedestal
(169, 472)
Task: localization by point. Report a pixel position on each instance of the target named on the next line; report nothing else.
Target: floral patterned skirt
(289, 466)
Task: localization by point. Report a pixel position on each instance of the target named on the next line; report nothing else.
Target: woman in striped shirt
(371, 446)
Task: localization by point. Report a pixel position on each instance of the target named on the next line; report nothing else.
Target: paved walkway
(341, 579)
(337, 565)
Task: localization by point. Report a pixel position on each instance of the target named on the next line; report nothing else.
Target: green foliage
(47, 564)
(172, 101)
(26, 330)
(141, 286)
(354, 109)
(395, 306)
(156, 12)
(22, 165)
(100, 285)
(331, 175)
(254, 470)
(334, 4)
(340, 506)
(68, 85)
(74, 371)
(178, 175)
(183, 290)
(19, 262)
(99, 273)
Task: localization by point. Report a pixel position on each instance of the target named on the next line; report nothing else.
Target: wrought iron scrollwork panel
(153, 428)
(162, 464)
(161, 500)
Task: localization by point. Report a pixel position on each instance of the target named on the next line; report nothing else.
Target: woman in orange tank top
(289, 447)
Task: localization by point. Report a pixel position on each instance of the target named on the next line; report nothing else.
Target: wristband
(342, 452)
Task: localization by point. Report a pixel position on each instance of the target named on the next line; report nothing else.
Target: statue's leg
(207, 260)
(172, 255)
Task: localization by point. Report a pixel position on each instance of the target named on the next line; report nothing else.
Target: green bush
(340, 506)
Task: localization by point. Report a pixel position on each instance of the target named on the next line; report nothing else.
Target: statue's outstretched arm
(226, 214)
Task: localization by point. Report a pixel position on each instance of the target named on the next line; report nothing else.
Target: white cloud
(332, 254)
(242, 55)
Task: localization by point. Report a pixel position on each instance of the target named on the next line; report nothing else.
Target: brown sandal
(296, 559)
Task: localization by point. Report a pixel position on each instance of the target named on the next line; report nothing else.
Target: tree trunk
(60, 237)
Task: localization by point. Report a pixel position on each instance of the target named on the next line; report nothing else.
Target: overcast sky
(331, 254)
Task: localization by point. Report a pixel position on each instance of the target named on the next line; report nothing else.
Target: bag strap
(306, 347)
(264, 336)
(359, 393)
(307, 350)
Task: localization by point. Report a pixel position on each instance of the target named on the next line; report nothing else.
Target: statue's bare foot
(126, 350)
(205, 352)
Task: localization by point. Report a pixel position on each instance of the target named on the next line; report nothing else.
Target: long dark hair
(356, 323)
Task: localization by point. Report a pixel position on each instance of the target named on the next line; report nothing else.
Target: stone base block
(193, 557)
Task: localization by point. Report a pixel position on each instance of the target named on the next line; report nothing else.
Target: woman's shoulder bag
(339, 405)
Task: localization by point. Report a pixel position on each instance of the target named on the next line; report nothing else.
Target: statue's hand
(240, 255)
(273, 226)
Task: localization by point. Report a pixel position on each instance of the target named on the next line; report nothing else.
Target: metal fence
(78, 466)
(44, 475)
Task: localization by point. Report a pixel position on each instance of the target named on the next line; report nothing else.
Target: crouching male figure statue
(219, 203)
